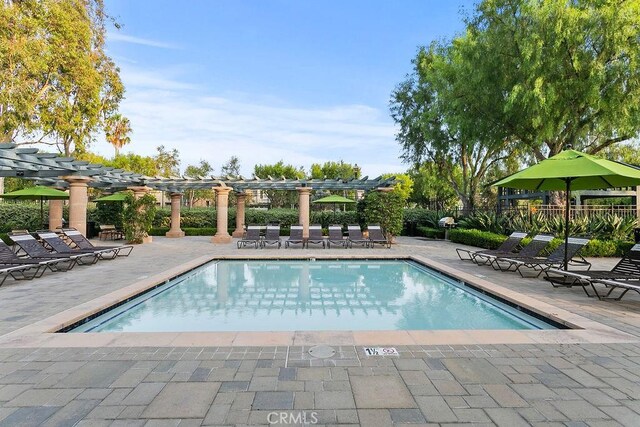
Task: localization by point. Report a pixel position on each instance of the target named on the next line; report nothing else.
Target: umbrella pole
(41, 213)
(566, 223)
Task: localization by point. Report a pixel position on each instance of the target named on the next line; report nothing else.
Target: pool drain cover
(322, 351)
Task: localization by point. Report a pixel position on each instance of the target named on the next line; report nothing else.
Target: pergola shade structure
(66, 172)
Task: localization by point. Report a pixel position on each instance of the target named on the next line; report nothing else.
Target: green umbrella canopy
(116, 197)
(582, 172)
(334, 199)
(572, 170)
(36, 193)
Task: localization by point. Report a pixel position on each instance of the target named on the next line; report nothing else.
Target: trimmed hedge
(206, 217)
(487, 240)
(188, 231)
(432, 233)
(481, 239)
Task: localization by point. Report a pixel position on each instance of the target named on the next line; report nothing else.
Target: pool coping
(43, 333)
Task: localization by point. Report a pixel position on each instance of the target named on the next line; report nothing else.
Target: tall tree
(231, 168)
(57, 85)
(279, 198)
(167, 161)
(567, 72)
(117, 131)
(201, 170)
(429, 190)
(432, 108)
(335, 170)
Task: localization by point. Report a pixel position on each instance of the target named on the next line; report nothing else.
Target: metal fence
(583, 210)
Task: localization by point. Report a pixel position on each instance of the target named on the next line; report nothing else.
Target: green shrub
(386, 209)
(138, 217)
(109, 213)
(327, 218)
(20, 216)
(432, 233)
(480, 239)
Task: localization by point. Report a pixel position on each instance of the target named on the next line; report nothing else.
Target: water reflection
(305, 295)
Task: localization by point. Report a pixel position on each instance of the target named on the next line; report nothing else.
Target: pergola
(76, 175)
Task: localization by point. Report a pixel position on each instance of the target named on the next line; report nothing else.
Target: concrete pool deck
(504, 378)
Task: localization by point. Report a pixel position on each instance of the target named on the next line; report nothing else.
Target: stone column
(55, 214)
(241, 199)
(138, 192)
(222, 211)
(78, 202)
(304, 193)
(175, 230)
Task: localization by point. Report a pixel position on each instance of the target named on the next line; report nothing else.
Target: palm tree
(117, 131)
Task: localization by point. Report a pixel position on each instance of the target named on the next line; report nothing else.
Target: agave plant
(485, 221)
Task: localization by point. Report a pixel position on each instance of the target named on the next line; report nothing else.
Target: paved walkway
(510, 385)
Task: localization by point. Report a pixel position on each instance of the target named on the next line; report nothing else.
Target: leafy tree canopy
(526, 76)
(404, 184)
(201, 170)
(567, 73)
(334, 170)
(57, 83)
(279, 170)
(429, 190)
(231, 168)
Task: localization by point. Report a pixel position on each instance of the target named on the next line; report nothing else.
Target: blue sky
(301, 81)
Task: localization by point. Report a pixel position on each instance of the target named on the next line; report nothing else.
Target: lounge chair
(16, 267)
(627, 269)
(33, 249)
(52, 241)
(18, 272)
(535, 248)
(507, 247)
(315, 236)
(251, 237)
(295, 236)
(554, 260)
(615, 285)
(336, 237)
(272, 236)
(356, 237)
(81, 242)
(377, 236)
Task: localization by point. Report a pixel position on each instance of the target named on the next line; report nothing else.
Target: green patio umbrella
(115, 197)
(37, 193)
(335, 199)
(572, 170)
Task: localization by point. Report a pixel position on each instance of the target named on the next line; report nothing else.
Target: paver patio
(487, 384)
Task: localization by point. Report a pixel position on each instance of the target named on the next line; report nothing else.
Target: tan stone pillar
(138, 192)
(175, 230)
(78, 202)
(222, 211)
(304, 194)
(241, 198)
(55, 213)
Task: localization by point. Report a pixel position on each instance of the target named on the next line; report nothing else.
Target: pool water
(252, 295)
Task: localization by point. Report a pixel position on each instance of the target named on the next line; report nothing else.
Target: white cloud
(165, 111)
(119, 37)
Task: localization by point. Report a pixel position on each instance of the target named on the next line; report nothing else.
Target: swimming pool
(298, 295)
